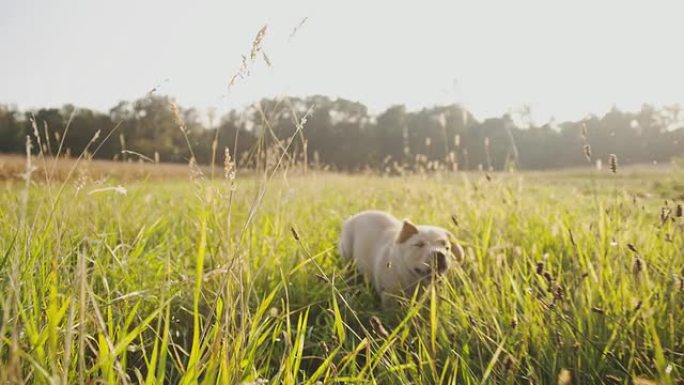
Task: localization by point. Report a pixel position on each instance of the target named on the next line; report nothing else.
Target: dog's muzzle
(438, 265)
(440, 262)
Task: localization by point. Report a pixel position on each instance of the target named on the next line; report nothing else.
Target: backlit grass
(184, 282)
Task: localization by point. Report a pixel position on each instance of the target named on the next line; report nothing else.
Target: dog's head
(428, 250)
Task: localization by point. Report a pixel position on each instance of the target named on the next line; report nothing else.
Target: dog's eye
(419, 244)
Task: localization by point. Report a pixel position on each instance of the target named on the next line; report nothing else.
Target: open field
(183, 281)
(48, 169)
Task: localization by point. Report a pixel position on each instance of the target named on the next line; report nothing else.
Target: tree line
(342, 135)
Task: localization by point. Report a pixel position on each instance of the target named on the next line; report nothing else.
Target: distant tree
(83, 125)
(391, 137)
(342, 135)
(153, 125)
(11, 130)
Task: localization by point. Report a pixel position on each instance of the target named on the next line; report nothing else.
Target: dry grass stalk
(378, 327)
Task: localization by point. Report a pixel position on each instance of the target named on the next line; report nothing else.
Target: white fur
(371, 240)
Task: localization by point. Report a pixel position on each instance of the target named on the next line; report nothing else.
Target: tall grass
(153, 286)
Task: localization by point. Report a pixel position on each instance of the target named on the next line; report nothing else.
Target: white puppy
(394, 255)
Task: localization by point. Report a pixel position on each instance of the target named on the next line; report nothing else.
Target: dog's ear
(407, 230)
(456, 249)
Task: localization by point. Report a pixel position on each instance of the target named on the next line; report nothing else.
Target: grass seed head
(613, 162)
(177, 116)
(638, 265)
(558, 293)
(267, 60)
(195, 171)
(257, 42)
(295, 234)
(664, 214)
(228, 167)
(454, 219)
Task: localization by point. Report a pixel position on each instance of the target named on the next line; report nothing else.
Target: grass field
(574, 277)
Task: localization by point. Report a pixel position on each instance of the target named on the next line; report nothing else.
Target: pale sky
(564, 59)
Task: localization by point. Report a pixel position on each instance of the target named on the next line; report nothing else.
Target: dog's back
(361, 237)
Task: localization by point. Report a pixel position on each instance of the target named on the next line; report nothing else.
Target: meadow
(570, 277)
